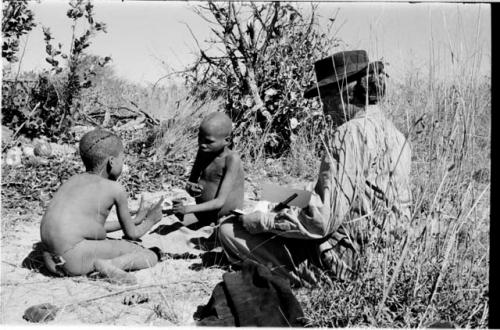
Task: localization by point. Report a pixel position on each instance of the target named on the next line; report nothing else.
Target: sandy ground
(176, 287)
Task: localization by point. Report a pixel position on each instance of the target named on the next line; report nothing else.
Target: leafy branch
(17, 20)
(76, 79)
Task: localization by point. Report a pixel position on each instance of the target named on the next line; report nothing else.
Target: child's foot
(51, 264)
(122, 279)
(114, 274)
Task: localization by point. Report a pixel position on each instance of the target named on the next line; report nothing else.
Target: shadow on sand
(35, 261)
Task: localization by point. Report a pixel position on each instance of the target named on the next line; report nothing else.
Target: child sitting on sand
(217, 177)
(74, 226)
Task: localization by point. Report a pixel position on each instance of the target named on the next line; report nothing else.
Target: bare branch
(242, 44)
(202, 15)
(192, 34)
(270, 27)
(166, 76)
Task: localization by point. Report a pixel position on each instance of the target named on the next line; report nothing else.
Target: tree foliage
(75, 78)
(260, 60)
(17, 20)
(48, 104)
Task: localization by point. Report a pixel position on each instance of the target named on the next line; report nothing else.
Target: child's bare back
(78, 211)
(74, 226)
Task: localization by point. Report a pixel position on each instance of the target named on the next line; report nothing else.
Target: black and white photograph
(246, 164)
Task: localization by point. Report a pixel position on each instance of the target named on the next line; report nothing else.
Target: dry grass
(180, 117)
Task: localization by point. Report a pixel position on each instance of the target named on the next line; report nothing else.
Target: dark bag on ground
(251, 297)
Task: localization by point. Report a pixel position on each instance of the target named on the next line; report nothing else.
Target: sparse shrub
(31, 107)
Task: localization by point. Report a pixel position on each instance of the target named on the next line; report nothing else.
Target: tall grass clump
(162, 153)
(181, 115)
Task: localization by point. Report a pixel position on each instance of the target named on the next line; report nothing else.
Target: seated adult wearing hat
(363, 181)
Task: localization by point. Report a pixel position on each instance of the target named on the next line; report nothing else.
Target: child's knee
(157, 252)
(78, 263)
(78, 268)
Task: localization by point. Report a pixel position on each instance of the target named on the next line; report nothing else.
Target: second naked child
(217, 178)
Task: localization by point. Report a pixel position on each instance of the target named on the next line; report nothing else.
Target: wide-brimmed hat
(343, 65)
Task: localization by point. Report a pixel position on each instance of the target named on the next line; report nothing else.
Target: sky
(148, 39)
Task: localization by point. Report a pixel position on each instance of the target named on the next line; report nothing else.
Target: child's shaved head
(97, 145)
(218, 124)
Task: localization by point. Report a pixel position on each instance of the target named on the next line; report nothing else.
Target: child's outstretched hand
(179, 208)
(155, 212)
(141, 212)
(193, 189)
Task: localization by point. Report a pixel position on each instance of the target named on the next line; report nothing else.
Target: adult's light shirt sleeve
(336, 188)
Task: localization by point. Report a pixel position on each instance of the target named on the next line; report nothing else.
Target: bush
(30, 107)
(47, 104)
(269, 51)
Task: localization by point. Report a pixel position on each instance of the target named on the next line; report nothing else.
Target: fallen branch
(154, 120)
(135, 287)
(10, 264)
(137, 111)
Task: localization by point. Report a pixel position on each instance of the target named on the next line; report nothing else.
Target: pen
(284, 204)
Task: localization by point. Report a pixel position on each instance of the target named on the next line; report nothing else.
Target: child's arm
(233, 163)
(112, 226)
(130, 229)
(192, 186)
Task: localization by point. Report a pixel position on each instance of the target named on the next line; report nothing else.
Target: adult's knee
(226, 231)
(233, 247)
